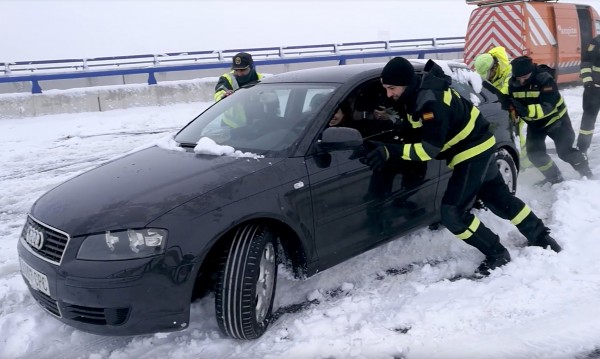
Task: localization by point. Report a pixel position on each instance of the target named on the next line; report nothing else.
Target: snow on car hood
(131, 191)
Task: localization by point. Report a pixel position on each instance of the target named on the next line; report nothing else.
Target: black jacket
(590, 59)
(452, 127)
(540, 102)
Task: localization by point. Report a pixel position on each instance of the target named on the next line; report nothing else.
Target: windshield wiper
(187, 145)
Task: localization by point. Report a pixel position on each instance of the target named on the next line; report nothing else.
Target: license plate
(37, 280)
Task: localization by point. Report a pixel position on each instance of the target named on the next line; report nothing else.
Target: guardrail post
(151, 78)
(35, 87)
(342, 61)
(281, 54)
(421, 55)
(7, 68)
(85, 64)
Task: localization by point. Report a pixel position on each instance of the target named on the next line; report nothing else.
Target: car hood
(131, 191)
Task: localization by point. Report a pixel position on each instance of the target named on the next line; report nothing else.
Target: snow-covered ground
(395, 301)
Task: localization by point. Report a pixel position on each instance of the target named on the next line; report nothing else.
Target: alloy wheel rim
(265, 282)
(506, 173)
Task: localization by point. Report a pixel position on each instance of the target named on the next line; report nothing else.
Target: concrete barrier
(104, 98)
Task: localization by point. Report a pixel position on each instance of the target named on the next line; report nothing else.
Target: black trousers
(591, 107)
(480, 178)
(561, 132)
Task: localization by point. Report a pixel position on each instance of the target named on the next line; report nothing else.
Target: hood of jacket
(434, 77)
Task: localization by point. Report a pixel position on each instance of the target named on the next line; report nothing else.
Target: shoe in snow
(551, 180)
(492, 262)
(546, 241)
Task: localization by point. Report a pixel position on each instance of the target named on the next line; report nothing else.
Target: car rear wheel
(507, 168)
(246, 283)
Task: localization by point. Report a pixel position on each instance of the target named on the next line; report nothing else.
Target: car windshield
(266, 119)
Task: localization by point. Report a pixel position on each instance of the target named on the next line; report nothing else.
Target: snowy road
(395, 301)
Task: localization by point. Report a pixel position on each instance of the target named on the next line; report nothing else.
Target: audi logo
(34, 237)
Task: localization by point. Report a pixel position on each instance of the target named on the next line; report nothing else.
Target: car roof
(340, 73)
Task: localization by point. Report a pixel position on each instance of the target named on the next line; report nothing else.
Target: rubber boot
(496, 255)
(584, 141)
(584, 169)
(544, 240)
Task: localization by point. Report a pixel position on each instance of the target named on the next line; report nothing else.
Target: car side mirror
(340, 138)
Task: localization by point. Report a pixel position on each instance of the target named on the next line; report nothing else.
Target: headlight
(127, 244)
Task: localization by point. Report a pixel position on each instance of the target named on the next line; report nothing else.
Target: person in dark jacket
(536, 100)
(453, 129)
(242, 72)
(590, 74)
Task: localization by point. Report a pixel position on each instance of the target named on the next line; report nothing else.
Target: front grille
(96, 316)
(46, 302)
(54, 240)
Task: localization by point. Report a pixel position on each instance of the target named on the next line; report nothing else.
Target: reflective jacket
(229, 81)
(590, 62)
(540, 97)
(452, 128)
(234, 117)
(500, 80)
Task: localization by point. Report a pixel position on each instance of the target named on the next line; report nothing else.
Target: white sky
(53, 29)
(541, 305)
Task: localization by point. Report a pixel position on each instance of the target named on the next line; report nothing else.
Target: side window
(315, 98)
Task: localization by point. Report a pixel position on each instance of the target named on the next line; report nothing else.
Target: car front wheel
(246, 283)
(507, 168)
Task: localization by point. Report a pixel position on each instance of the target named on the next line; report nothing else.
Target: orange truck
(550, 32)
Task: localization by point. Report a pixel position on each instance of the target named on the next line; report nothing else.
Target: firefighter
(494, 67)
(536, 100)
(453, 129)
(590, 73)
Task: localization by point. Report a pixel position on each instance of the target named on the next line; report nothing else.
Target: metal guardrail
(36, 71)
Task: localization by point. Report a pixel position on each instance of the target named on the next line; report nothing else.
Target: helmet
(483, 64)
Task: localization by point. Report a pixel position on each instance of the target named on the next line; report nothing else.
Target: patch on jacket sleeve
(427, 116)
(591, 47)
(547, 88)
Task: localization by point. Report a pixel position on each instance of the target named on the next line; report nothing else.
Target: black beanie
(522, 66)
(398, 72)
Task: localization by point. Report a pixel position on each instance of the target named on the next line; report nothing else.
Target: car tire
(246, 283)
(508, 169)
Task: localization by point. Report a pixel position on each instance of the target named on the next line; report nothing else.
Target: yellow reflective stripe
(415, 124)
(472, 228)
(557, 117)
(586, 70)
(526, 94)
(219, 95)
(447, 97)
(521, 216)
(466, 131)
(596, 68)
(423, 156)
(587, 79)
(406, 152)
(387, 153)
(472, 152)
(586, 132)
(546, 166)
(533, 109)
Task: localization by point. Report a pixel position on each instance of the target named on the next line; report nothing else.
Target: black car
(126, 247)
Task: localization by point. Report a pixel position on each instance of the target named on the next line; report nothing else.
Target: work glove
(374, 154)
(519, 109)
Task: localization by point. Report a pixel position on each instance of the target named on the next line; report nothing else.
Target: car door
(356, 209)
